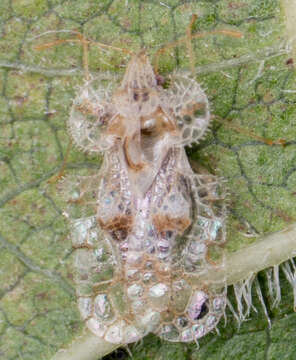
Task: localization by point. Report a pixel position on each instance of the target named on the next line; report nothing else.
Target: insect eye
(136, 96)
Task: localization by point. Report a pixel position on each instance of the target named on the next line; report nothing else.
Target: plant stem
(86, 347)
(272, 250)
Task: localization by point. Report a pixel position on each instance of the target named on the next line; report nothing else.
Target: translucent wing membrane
(102, 301)
(99, 273)
(207, 234)
(90, 116)
(190, 107)
(80, 193)
(196, 309)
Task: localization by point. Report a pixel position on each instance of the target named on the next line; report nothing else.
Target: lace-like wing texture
(89, 115)
(191, 108)
(145, 228)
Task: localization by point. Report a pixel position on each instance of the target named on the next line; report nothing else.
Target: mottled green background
(250, 85)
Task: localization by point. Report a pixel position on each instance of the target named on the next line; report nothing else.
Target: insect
(155, 219)
(145, 227)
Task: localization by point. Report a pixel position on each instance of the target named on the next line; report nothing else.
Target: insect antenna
(250, 133)
(80, 38)
(188, 42)
(85, 42)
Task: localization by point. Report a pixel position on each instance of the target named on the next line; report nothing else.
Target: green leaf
(251, 86)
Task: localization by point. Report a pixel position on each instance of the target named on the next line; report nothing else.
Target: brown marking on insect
(162, 123)
(85, 107)
(118, 225)
(84, 245)
(166, 222)
(160, 80)
(192, 108)
(132, 152)
(117, 127)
